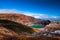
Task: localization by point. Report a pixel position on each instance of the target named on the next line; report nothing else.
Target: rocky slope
(10, 30)
(14, 27)
(52, 27)
(19, 18)
(23, 19)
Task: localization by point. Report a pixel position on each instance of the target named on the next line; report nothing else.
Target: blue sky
(35, 8)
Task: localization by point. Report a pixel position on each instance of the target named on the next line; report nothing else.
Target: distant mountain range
(53, 19)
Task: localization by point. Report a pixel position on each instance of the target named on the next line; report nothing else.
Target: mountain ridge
(20, 18)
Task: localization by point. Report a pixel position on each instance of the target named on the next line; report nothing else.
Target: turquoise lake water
(37, 26)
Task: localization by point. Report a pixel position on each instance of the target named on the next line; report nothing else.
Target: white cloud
(9, 11)
(36, 15)
(41, 16)
(55, 17)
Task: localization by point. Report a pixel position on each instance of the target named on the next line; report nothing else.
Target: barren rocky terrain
(19, 18)
(16, 27)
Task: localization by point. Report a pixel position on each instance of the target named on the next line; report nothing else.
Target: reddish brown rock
(52, 27)
(10, 30)
(19, 18)
(6, 34)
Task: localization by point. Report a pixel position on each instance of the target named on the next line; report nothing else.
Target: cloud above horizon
(36, 15)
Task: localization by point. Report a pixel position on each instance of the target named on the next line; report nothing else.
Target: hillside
(15, 26)
(19, 18)
(11, 30)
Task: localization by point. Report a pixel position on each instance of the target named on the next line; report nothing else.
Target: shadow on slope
(18, 28)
